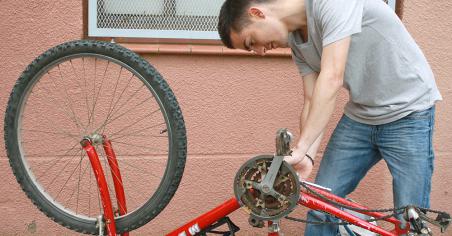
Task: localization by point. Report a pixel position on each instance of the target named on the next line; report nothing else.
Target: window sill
(189, 49)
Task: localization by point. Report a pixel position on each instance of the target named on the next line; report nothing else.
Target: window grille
(187, 19)
(182, 19)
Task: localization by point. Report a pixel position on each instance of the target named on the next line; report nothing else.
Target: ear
(256, 12)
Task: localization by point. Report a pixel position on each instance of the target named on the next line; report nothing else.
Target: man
(363, 46)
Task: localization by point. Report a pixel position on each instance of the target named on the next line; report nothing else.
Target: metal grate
(193, 19)
(188, 19)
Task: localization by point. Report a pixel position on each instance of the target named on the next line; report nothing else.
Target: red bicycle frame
(202, 222)
(306, 199)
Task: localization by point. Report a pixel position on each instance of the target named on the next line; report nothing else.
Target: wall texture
(232, 106)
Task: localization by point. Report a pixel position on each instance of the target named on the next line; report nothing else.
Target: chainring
(261, 205)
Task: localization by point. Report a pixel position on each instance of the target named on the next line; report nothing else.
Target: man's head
(251, 25)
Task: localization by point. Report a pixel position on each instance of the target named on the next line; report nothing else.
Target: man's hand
(301, 163)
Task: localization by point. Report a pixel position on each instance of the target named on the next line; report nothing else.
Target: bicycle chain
(397, 211)
(337, 223)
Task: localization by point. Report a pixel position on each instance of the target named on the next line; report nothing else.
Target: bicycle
(81, 98)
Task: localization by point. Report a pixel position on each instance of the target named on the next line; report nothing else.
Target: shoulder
(321, 7)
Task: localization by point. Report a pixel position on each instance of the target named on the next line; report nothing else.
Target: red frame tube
(397, 224)
(103, 186)
(208, 218)
(316, 204)
(116, 174)
(117, 179)
(307, 200)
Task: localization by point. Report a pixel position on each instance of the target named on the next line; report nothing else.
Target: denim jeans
(406, 147)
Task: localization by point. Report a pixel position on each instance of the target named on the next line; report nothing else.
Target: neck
(292, 13)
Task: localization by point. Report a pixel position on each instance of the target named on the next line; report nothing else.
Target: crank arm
(269, 179)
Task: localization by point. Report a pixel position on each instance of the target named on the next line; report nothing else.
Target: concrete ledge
(189, 49)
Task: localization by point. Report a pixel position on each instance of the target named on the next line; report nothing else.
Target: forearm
(312, 151)
(321, 108)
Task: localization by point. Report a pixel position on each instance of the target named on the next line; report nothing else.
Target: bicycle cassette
(264, 203)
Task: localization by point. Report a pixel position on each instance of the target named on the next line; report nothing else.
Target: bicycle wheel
(82, 88)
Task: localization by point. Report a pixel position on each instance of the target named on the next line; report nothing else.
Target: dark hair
(232, 17)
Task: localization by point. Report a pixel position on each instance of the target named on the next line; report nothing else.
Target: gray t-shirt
(386, 73)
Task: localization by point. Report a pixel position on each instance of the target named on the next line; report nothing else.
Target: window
(195, 19)
(162, 19)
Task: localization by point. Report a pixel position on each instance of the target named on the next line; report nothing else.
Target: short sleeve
(301, 64)
(338, 19)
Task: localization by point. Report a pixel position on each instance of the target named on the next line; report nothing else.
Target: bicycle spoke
(79, 124)
(79, 166)
(124, 113)
(78, 83)
(86, 88)
(78, 184)
(138, 168)
(50, 167)
(107, 121)
(47, 154)
(139, 146)
(117, 101)
(56, 102)
(101, 85)
(31, 141)
(69, 161)
(112, 98)
(49, 132)
(139, 135)
(94, 91)
(134, 123)
(134, 133)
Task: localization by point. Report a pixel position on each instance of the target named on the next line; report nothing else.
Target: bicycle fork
(106, 220)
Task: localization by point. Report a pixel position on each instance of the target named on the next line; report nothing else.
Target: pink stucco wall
(232, 106)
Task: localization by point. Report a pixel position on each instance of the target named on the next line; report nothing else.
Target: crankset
(267, 186)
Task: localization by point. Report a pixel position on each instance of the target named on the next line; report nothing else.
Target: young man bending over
(363, 46)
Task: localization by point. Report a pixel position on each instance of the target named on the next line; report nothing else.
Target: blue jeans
(406, 147)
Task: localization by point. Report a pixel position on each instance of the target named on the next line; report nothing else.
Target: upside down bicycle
(76, 101)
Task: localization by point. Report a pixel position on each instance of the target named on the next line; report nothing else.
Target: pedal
(443, 220)
(232, 228)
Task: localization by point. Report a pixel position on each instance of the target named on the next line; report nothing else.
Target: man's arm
(309, 85)
(305, 167)
(323, 102)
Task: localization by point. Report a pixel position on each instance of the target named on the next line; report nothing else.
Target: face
(264, 33)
